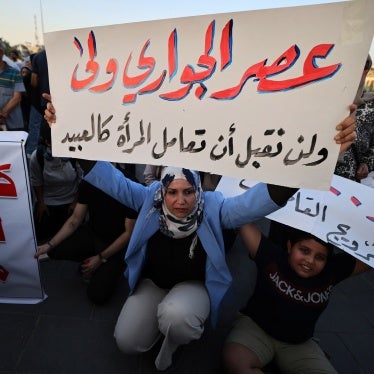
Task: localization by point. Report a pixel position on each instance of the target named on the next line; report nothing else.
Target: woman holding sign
(176, 266)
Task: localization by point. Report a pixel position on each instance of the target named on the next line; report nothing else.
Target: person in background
(15, 57)
(292, 290)
(96, 235)
(39, 83)
(358, 160)
(55, 181)
(152, 173)
(11, 89)
(25, 101)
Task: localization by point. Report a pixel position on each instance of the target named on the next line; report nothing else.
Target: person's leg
(247, 347)
(238, 359)
(181, 317)
(35, 120)
(104, 280)
(137, 330)
(51, 223)
(79, 246)
(302, 358)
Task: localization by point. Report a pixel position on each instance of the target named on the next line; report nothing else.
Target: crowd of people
(168, 236)
(22, 82)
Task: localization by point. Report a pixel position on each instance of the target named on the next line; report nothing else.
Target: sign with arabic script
(20, 281)
(254, 94)
(343, 216)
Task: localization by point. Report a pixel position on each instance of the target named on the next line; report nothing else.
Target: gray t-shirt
(58, 177)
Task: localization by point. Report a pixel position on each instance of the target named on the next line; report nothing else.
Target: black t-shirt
(106, 215)
(285, 305)
(168, 260)
(40, 67)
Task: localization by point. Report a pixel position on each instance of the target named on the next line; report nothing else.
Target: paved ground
(68, 334)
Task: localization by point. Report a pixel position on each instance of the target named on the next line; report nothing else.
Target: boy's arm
(360, 267)
(251, 236)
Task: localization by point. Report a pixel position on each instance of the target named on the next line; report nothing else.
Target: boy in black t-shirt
(292, 290)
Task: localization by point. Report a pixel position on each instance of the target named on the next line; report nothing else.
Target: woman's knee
(180, 324)
(132, 342)
(123, 341)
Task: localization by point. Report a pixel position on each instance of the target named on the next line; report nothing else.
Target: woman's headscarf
(171, 225)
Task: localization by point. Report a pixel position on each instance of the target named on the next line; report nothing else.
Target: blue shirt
(11, 82)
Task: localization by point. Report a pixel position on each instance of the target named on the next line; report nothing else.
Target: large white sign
(19, 271)
(254, 94)
(343, 216)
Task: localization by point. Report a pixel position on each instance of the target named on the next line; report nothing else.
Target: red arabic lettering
(311, 72)
(111, 68)
(172, 53)
(190, 77)
(2, 235)
(147, 63)
(226, 45)
(7, 187)
(91, 65)
(195, 76)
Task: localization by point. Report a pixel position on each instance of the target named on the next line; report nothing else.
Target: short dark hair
(296, 235)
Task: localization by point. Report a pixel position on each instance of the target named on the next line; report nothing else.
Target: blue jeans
(35, 121)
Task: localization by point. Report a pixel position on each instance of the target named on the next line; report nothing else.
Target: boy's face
(307, 257)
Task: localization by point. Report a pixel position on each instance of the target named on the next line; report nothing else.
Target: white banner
(343, 216)
(254, 94)
(19, 271)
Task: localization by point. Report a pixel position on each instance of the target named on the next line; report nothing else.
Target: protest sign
(19, 271)
(343, 216)
(253, 94)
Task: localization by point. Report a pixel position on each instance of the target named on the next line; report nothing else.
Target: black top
(106, 215)
(285, 305)
(40, 67)
(168, 260)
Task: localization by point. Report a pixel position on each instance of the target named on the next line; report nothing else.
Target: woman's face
(307, 257)
(24, 71)
(180, 198)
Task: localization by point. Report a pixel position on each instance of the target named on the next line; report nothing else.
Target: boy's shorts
(290, 358)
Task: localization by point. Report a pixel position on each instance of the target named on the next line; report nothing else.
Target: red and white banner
(19, 271)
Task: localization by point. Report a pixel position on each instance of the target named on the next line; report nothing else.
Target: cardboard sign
(253, 94)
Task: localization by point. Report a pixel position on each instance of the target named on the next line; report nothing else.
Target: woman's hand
(346, 128)
(44, 248)
(50, 112)
(90, 265)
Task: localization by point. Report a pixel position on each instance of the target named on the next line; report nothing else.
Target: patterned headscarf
(171, 225)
